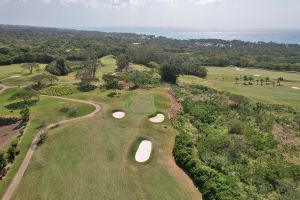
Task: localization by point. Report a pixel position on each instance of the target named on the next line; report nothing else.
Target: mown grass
(223, 78)
(7, 71)
(44, 112)
(89, 160)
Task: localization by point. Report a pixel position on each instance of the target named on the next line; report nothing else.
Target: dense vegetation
(236, 149)
(20, 44)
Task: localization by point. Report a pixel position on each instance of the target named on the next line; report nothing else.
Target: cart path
(21, 171)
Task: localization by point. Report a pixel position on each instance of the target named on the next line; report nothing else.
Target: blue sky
(200, 14)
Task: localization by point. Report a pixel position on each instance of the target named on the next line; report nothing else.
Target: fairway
(223, 78)
(14, 75)
(91, 160)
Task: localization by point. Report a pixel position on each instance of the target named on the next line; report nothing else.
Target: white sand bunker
(257, 75)
(296, 88)
(238, 69)
(158, 118)
(119, 115)
(144, 151)
(15, 76)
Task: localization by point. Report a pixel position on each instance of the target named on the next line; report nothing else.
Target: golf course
(224, 79)
(94, 115)
(94, 157)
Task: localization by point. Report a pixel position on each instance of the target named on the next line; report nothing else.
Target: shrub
(11, 153)
(57, 90)
(65, 109)
(236, 127)
(73, 112)
(43, 136)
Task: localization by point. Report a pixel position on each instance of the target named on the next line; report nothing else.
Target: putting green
(142, 103)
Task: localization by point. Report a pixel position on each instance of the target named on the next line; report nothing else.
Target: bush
(236, 127)
(57, 90)
(43, 136)
(73, 112)
(11, 154)
(212, 184)
(65, 109)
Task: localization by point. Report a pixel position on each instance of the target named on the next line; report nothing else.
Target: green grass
(223, 78)
(15, 70)
(108, 66)
(46, 111)
(89, 160)
(139, 67)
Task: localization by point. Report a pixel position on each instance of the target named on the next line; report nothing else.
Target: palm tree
(250, 80)
(278, 82)
(261, 82)
(245, 80)
(267, 80)
(236, 80)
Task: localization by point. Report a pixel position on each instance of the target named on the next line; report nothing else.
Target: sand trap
(296, 88)
(158, 118)
(15, 76)
(144, 151)
(257, 75)
(238, 69)
(119, 115)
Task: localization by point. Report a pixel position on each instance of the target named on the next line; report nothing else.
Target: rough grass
(89, 160)
(223, 78)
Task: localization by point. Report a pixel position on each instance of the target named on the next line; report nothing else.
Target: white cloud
(121, 3)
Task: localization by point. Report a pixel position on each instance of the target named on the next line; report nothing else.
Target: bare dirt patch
(7, 134)
(175, 105)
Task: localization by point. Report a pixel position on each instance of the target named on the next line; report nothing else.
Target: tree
(86, 77)
(2, 160)
(237, 80)
(297, 120)
(30, 67)
(257, 82)
(122, 62)
(267, 79)
(25, 114)
(261, 82)
(250, 79)
(11, 153)
(111, 81)
(170, 70)
(38, 79)
(279, 81)
(58, 67)
(51, 78)
(200, 72)
(245, 80)
(25, 95)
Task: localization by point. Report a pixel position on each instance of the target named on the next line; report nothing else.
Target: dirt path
(175, 105)
(19, 175)
(5, 87)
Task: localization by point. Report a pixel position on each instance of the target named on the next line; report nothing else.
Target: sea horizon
(285, 36)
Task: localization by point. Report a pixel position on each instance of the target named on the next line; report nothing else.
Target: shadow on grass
(21, 104)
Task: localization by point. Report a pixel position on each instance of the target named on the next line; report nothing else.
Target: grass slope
(90, 160)
(44, 112)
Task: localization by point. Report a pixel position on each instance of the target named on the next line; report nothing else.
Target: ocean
(278, 36)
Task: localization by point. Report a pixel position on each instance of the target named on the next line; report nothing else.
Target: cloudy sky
(203, 14)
